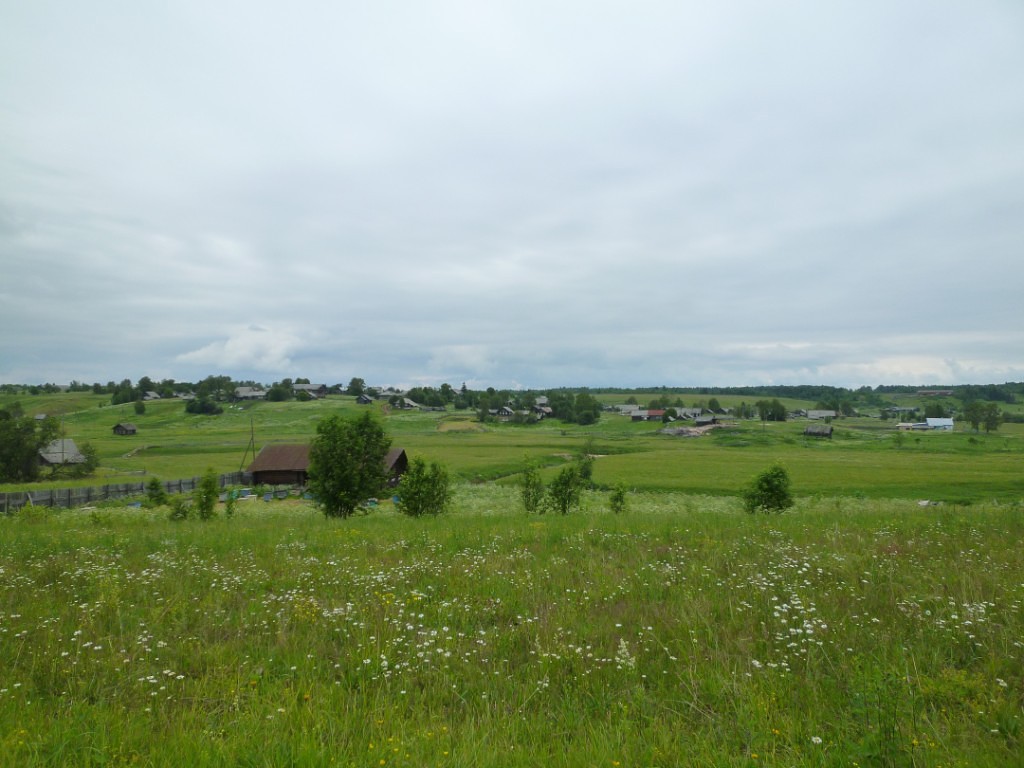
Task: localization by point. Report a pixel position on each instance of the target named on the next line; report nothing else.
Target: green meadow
(680, 632)
(865, 458)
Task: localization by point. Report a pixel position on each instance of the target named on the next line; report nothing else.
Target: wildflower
(816, 739)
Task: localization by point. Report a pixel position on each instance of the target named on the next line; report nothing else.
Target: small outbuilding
(125, 428)
(396, 462)
(818, 430)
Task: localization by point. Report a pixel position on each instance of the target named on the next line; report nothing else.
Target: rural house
(818, 430)
(364, 399)
(249, 393)
(61, 452)
(821, 414)
(288, 464)
(281, 465)
(125, 428)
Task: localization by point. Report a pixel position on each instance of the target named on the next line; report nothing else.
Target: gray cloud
(512, 193)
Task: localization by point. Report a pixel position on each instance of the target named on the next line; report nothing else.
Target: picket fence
(80, 497)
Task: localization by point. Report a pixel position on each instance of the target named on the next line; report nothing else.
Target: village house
(125, 428)
(60, 452)
(288, 464)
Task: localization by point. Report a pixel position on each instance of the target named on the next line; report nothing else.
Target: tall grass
(681, 633)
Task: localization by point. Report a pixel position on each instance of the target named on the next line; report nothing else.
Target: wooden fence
(80, 497)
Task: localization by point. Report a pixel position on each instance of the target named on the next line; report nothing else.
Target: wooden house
(61, 452)
(125, 428)
(818, 430)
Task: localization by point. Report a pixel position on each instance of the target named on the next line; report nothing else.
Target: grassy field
(683, 632)
(866, 458)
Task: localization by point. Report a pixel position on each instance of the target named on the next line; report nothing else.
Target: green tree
(769, 491)
(566, 489)
(531, 487)
(206, 495)
(346, 463)
(21, 438)
(424, 490)
(356, 387)
(974, 414)
(140, 407)
(992, 417)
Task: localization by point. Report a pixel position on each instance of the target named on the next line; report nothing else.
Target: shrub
(769, 491)
(180, 509)
(424, 490)
(532, 489)
(155, 493)
(565, 490)
(206, 495)
(617, 500)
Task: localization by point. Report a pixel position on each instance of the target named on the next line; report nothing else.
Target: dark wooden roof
(393, 457)
(281, 457)
(295, 458)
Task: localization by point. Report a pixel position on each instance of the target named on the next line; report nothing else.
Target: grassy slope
(862, 459)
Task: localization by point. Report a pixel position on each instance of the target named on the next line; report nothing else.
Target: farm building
(364, 399)
(818, 430)
(61, 452)
(289, 465)
(125, 428)
(705, 421)
(821, 414)
(944, 425)
(313, 390)
(396, 462)
(249, 393)
(281, 465)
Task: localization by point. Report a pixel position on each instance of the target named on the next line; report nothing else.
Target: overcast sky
(513, 194)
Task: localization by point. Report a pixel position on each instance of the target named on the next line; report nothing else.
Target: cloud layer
(513, 193)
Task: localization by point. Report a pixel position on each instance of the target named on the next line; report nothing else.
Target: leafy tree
(87, 467)
(424, 490)
(21, 438)
(974, 414)
(279, 393)
(140, 407)
(356, 387)
(992, 417)
(566, 489)
(346, 463)
(769, 491)
(531, 487)
(935, 411)
(714, 406)
(206, 495)
(770, 410)
(203, 406)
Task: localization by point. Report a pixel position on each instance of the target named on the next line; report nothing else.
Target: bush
(155, 493)
(617, 500)
(566, 489)
(769, 491)
(532, 489)
(424, 490)
(206, 495)
(180, 509)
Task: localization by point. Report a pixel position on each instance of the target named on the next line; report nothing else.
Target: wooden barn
(125, 428)
(818, 430)
(396, 463)
(289, 465)
(281, 465)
